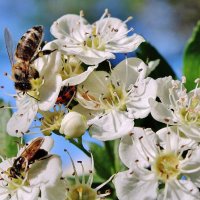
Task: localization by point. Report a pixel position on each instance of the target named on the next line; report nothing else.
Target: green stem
(79, 145)
(116, 153)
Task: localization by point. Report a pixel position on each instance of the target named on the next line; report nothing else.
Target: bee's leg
(42, 53)
(32, 96)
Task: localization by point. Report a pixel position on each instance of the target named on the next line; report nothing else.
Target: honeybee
(28, 50)
(30, 154)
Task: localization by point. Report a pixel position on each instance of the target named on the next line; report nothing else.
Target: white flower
(43, 95)
(35, 179)
(112, 101)
(51, 120)
(94, 43)
(73, 125)
(177, 107)
(72, 71)
(83, 189)
(162, 166)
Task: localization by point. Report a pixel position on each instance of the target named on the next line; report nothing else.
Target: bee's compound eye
(12, 172)
(17, 77)
(23, 86)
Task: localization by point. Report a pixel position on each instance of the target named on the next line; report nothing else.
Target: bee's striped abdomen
(29, 43)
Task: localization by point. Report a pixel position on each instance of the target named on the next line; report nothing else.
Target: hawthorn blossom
(35, 180)
(42, 96)
(177, 107)
(72, 70)
(112, 101)
(83, 189)
(161, 165)
(94, 43)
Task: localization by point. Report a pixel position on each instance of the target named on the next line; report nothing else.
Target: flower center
(116, 97)
(94, 40)
(51, 121)
(36, 84)
(82, 192)
(191, 114)
(17, 183)
(166, 166)
(11, 184)
(71, 67)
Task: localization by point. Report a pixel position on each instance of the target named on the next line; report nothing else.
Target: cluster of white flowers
(72, 95)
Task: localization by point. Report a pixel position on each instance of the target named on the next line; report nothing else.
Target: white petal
(152, 65)
(138, 102)
(110, 126)
(106, 28)
(163, 90)
(193, 162)
(47, 144)
(27, 193)
(191, 131)
(45, 171)
(130, 188)
(170, 140)
(130, 145)
(160, 112)
(89, 114)
(56, 191)
(92, 56)
(75, 80)
(68, 25)
(4, 165)
(128, 71)
(185, 190)
(125, 45)
(21, 120)
(114, 33)
(49, 92)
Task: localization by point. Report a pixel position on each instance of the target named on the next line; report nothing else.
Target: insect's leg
(42, 53)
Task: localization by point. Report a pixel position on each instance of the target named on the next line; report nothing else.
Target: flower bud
(73, 125)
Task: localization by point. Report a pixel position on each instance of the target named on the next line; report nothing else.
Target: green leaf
(148, 53)
(102, 162)
(8, 144)
(191, 59)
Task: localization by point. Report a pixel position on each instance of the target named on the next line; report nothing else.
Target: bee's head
(23, 86)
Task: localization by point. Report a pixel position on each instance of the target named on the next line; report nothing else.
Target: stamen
(83, 172)
(128, 19)
(74, 168)
(90, 179)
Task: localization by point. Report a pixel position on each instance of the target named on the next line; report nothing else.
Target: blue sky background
(155, 20)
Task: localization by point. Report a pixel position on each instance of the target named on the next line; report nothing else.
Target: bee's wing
(9, 45)
(32, 148)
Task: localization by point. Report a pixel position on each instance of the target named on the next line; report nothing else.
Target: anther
(140, 137)
(166, 120)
